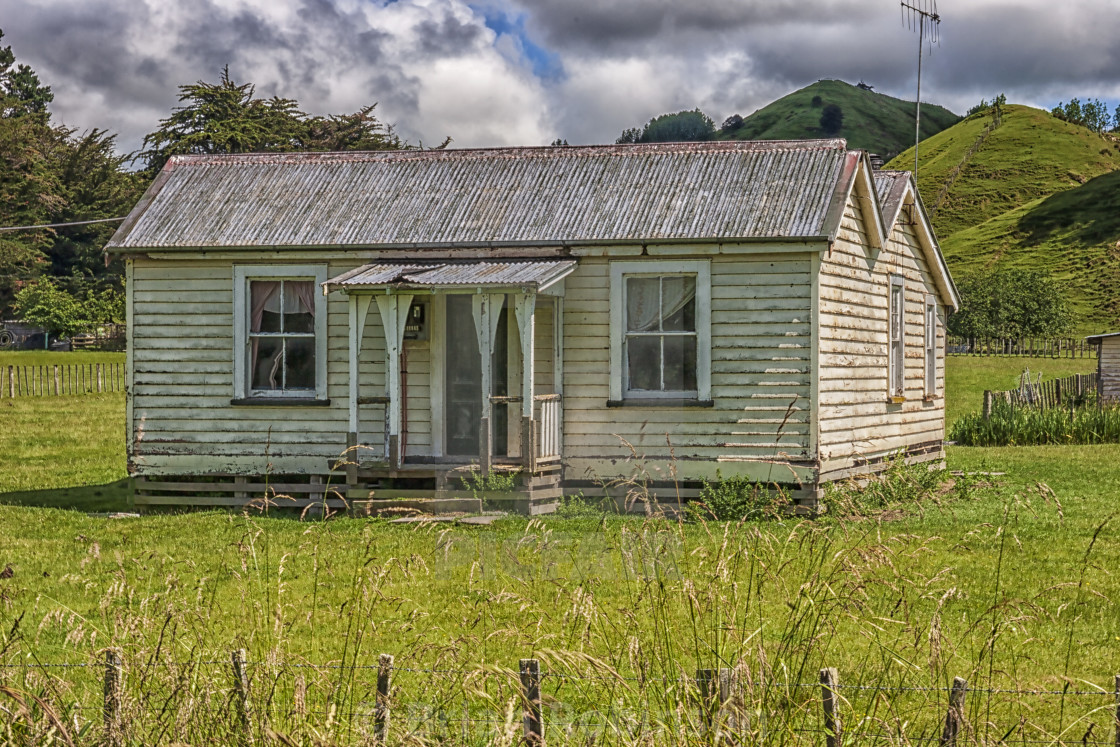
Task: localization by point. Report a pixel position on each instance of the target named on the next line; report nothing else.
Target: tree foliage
(65, 314)
(1011, 303)
(20, 88)
(1092, 114)
(53, 174)
(832, 119)
(227, 117)
(687, 126)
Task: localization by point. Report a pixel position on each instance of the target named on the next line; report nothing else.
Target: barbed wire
(761, 685)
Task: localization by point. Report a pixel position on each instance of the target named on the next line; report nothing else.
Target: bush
(832, 119)
(578, 507)
(899, 484)
(1026, 425)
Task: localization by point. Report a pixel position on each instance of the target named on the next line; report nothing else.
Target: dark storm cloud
(614, 25)
(1020, 48)
(447, 37)
(84, 42)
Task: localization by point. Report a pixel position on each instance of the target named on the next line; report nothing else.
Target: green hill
(1036, 192)
(873, 121)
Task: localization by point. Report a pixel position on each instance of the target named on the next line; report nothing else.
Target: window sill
(657, 402)
(894, 400)
(280, 402)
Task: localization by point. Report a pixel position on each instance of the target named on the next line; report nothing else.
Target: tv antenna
(921, 14)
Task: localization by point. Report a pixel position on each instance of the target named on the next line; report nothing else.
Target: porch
(456, 376)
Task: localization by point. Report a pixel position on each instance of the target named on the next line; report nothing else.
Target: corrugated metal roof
(507, 196)
(891, 188)
(540, 274)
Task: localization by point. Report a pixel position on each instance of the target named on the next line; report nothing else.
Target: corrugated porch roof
(408, 274)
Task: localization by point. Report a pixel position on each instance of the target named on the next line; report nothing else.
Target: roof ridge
(360, 156)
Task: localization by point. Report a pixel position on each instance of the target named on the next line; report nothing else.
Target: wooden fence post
(56, 379)
(114, 673)
(532, 727)
(954, 717)
(830, 699)
(717, 716)
(99, 378)
(381, 713)
(241, 685)
(988, 397)
(1116, 687)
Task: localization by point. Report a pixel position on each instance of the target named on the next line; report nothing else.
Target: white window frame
(896, 340)
(620, 270)
(242, 275)
(930, 346)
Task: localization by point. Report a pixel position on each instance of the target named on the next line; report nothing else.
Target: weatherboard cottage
(384, 321)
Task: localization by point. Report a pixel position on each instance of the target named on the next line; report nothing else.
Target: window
(280, 332)
(896, 321)
(931, 347)
(660, 330)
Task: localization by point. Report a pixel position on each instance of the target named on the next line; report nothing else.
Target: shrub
(738, 499)
(832, 119)
(579, 507)
(897, 485)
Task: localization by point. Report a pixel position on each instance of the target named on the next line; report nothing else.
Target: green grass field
(1039, 194)
(1007, 581)
(872, 121)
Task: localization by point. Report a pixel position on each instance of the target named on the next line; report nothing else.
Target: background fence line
(1069, 391)
(1031, 347)
(56, 380)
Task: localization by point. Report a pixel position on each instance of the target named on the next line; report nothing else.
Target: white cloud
(436, 69)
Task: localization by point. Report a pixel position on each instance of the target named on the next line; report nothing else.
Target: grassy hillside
(873, 121)
(1038, 193)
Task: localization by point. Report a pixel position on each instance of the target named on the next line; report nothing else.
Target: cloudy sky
(523, 72)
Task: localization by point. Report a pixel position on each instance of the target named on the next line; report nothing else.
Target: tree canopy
(52, 174)
(1011, 303)
(668, 128)
(228, 117)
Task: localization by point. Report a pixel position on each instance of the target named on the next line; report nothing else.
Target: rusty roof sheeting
(891, 188)
(505, 196)
(539, 274)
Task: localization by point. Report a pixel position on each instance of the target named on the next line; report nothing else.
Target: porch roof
(409, 274)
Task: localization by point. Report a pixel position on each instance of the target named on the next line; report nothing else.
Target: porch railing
(546, 411)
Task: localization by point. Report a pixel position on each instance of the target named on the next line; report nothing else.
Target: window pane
(644, 362)
(264, 314)
(643, 304)
(678, 303)
(299, 306)
(300, 360)
(680, 363)
(266, 370)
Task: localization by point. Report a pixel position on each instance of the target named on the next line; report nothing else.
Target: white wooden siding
(182, 363)
(1109, 367)
(182, 380)
(761, 353)
(855, 417)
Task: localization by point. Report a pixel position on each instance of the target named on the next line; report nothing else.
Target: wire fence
(1030, 347)
(115, 702)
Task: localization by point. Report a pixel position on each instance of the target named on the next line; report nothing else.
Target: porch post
(526, 304)
(394, 315)
(486, 308)
(359, 309)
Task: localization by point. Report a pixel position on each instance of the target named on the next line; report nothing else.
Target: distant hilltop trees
(1092, 114)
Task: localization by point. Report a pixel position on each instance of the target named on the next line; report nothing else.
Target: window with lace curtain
(281, 333)
(660, 330)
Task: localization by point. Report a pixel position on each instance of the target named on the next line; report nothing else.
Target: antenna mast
(921, 14)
